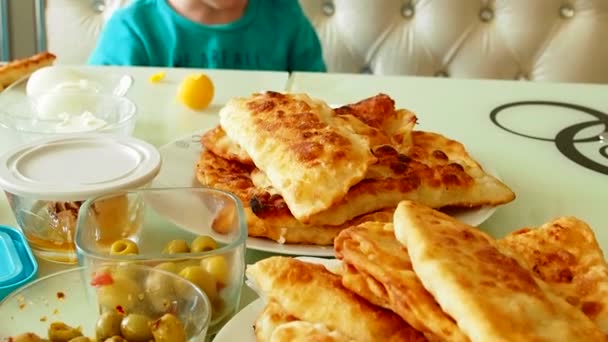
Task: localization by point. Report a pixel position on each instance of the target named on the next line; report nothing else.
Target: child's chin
(225, 4)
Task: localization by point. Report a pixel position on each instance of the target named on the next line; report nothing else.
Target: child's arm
(306, 53)
(119, 44)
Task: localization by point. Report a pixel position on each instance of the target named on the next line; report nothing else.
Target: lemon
(196, 91)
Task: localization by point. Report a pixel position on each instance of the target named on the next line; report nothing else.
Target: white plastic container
(47, 181)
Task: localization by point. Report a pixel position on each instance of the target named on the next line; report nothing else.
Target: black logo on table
(565, 140)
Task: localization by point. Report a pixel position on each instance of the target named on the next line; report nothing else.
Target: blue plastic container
(17, 263)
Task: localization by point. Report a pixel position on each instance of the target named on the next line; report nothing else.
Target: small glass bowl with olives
(111, 304)
(198, 234)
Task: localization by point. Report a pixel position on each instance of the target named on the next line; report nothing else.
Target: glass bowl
(161, 223)
(70, 297)
(45, 189)
(55, 113)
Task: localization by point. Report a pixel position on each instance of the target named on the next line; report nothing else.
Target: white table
(547, 183)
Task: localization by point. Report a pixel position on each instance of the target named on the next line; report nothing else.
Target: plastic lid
(78, 167)
(18, 264)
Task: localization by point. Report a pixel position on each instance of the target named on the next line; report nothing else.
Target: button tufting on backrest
(553, 40)
(566, 11)
(407, 10)
(328, 8)
(486, 14)
(99, 6)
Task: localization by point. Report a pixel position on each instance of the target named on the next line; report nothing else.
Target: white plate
(178, 170)
(240, 326)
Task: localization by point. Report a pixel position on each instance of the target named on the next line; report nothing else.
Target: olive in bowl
(81, 312)
(178, 231)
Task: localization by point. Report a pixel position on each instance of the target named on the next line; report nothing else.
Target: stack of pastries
(429, 277)
(306, 171)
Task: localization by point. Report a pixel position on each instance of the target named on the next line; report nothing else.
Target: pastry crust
(565, 254)
(276, 223)
(311, 156)
(489, 294)
(17, 69)
(378, 268)
(274, 324)
(313, 294)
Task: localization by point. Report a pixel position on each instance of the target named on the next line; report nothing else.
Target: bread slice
(489, 294)
(310, 155)
(565, 254)
(378, 268)
(313, 294)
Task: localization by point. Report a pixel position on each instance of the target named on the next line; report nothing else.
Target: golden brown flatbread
(274, 324)
(274, 222)
(378, 268)
(269, 319)
(311, 156)
(17, 69)
(375, 117)
(422, 166)
(216, 141)
(314, 294)
(489, 294)
(438, 172)
(302, 331)
(565, 254)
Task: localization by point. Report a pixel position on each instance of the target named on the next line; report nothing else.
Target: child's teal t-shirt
(271, 35)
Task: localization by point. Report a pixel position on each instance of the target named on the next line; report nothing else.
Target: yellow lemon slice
(196, 91)
(159, 76)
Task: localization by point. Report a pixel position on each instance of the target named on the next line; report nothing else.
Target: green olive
(108, 325)
(136, 328)
(176, 246)
(80, 339)
(124, 247)
(217, 267)
(203, 243)
(201, 278)
(27, 337)
(115, 339)
(167, 266)
(122, 292)
(159, 291)
(168, 328)
(61, 332)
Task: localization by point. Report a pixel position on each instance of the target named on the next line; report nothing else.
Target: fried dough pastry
(489, 294)
(17, 69)
(216, 141)
(378, 268)
(565, 254)
(374, 117)
(309, 154)
(276, 223)
(302, 331)
(274, 324)
(437, 173)
(313, 294)
(271, 317)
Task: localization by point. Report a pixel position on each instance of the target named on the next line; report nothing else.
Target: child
(226, 34)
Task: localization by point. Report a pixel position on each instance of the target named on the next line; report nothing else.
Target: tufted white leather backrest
(546, 40)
